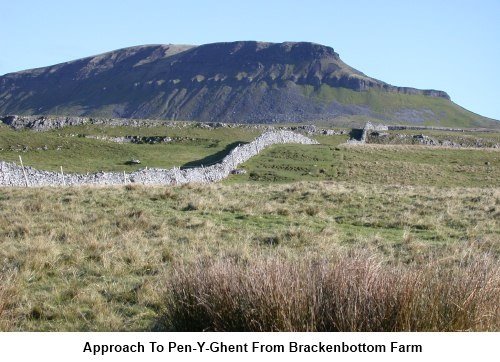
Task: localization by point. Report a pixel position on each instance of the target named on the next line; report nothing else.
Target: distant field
(464, 139)
(494, 136)
(191, 146)
(376, 164)
(68, 148)
(327, 237)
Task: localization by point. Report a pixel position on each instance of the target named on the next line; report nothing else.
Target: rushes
(346, 293)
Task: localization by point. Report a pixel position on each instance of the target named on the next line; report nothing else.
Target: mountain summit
(244, 82)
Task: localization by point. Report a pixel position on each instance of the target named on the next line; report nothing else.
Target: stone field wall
(12, 174)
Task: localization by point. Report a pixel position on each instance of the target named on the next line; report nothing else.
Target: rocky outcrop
(14, 175)
(134, 139)
(45, 123)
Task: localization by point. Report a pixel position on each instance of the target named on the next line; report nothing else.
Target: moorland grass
(120, 258)
(379, 237)
(341, 292)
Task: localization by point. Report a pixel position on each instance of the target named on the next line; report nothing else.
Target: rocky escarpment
(44, 123)
(238, 82)
(14, 175)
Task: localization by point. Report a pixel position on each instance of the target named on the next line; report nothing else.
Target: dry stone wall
(368, 127)
(13, 175)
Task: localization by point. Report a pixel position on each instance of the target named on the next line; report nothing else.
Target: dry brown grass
(99, 259)
(349, 293)
(8, 298)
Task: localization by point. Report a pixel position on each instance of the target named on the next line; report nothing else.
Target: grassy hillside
(398, 108)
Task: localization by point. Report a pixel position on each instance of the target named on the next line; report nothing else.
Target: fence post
(3, 174)
(24, 171)
(62, 177)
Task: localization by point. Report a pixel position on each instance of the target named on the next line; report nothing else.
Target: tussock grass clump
(345, 293)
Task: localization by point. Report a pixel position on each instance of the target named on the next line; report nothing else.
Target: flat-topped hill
(243, 82)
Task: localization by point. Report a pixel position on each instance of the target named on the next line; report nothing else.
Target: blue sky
(448, 45)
